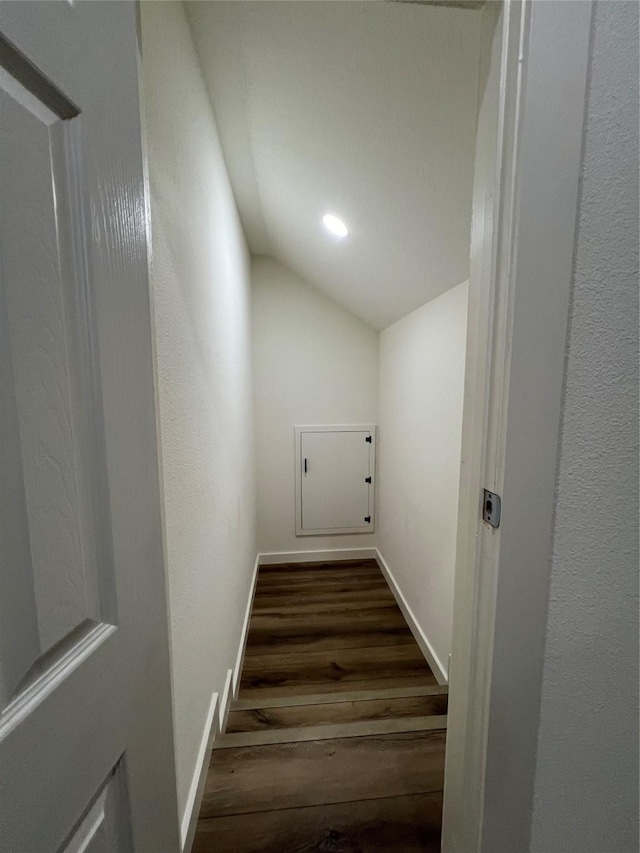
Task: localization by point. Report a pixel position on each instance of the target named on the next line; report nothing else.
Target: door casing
(524, 221)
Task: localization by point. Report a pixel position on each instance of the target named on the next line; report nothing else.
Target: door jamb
(521, 268)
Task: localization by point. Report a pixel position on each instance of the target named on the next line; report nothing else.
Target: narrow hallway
(337, 739)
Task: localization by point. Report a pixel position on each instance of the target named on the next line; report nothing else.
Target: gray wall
(586, 794)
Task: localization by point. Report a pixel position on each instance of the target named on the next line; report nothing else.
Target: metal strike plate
(491, 508)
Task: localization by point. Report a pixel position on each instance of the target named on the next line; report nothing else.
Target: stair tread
(333, 730)
(249, 704)
(285, 717)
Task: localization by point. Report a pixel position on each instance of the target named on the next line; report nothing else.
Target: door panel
(54, 572)
(334, 493)
(105, 827)
(84, 669)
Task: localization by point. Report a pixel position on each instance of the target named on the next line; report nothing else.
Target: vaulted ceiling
(362, 109)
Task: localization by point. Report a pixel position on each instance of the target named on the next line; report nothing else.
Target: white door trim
(521, 264)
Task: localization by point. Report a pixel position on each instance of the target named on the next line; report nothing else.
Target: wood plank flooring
(261, 719)
(337, 740)
(410, 824)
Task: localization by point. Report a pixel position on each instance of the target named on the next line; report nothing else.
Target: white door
(336, 480)
(86, 744)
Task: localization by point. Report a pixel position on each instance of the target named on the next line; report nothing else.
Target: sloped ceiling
(363, 109)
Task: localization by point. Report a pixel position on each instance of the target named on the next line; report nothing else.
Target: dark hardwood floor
(336, 742)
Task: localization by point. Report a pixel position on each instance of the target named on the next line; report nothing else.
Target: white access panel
(334, 479)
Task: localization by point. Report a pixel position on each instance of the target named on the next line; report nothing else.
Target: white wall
(422, 361)
(201, 289)
(586, 787)
(314, 363)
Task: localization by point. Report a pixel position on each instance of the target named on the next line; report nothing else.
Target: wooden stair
(329, 715)
(336, 741)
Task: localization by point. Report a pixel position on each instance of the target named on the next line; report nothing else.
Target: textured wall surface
(586, 797)
(315, 363)
(422, 360)
(201, 289)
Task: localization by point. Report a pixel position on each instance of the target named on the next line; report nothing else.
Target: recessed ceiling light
(335, 225)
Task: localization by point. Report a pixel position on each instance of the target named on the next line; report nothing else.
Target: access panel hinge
(491, 508)
(367, 518)
(368, 439)
(367, 479)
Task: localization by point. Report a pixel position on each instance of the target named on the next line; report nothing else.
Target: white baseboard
(274, 558)
(194, 800)
(425, 646)
(245, 631)
(215, 724)
(225, 701)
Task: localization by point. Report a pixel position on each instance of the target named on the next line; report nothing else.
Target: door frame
(528, 156)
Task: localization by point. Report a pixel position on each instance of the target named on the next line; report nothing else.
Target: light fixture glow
(335, 225)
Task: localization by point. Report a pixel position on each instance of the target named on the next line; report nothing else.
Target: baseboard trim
(215, 725)
(237, 671)
(273, 558)
(421, 638)
(225, 701)
(196, 791)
